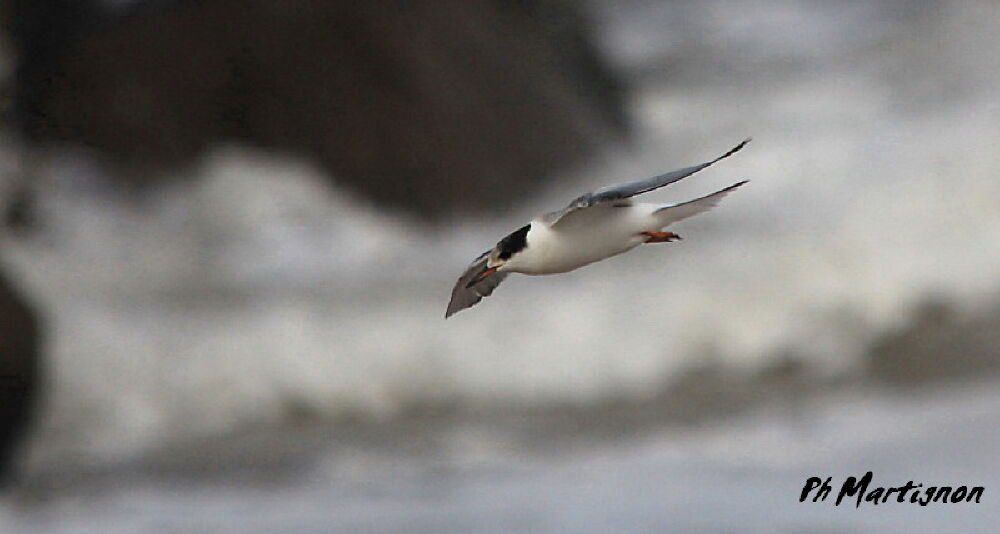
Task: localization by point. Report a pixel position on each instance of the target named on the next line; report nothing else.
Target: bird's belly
(575, 249)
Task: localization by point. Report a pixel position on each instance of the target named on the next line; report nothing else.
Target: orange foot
(661, 237)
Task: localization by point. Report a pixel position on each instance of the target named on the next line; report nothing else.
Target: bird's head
(505, 249)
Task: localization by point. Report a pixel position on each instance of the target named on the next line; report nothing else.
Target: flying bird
(595, 226)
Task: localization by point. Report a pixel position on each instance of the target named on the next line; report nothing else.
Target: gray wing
(624, 191)
(463, 297)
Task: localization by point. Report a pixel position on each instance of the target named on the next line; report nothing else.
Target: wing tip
(735, 149)
(453, 309)
(726, 190)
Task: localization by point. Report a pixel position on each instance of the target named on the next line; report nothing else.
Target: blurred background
(230, 230)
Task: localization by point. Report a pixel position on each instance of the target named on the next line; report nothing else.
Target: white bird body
(605, 231)
(593, 227)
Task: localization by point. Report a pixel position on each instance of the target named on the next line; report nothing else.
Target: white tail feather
(678, 212)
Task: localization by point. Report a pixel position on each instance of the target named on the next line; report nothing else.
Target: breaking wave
(244, 300)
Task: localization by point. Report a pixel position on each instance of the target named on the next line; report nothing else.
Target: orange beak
(486, 272)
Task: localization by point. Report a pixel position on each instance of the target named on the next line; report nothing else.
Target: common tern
(594, 226)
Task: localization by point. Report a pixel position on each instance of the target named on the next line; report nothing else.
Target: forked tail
(677, 212)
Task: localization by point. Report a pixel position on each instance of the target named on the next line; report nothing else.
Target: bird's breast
(558, 250)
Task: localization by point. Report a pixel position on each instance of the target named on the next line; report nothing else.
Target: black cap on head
(513, 243)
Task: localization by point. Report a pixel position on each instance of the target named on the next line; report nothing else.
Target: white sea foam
(244, 298)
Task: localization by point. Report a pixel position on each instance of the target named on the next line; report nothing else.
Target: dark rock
(938, 344)
(20, 361)
(19, 215)
(433, 105)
